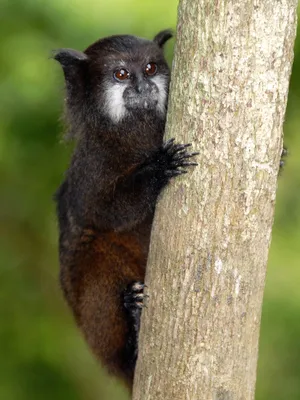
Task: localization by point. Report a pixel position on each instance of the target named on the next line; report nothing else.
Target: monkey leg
(94, 278)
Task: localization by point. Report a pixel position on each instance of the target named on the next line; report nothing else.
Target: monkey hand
(284, 153)
(175, 157)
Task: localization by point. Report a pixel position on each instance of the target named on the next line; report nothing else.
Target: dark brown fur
(106, 203)
(102, 267)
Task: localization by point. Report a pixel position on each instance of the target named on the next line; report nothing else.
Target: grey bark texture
(212, 230)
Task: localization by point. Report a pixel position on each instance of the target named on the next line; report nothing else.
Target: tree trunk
(212, 230)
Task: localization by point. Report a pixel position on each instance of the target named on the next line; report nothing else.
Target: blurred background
(42, 355)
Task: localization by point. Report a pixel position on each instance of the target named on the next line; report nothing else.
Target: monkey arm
(134, 195)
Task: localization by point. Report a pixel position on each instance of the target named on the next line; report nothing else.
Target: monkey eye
(121, 74)
(151, 69)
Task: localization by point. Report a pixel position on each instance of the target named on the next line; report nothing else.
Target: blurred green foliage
(42, 355)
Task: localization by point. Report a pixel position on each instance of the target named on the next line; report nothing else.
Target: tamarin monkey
(116, 103)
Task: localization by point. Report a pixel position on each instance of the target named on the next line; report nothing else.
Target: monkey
(115, 110)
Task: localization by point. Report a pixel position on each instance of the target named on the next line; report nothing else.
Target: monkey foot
(134, 296)
(133, 303)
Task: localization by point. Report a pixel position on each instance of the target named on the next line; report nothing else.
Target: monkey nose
(141, 87)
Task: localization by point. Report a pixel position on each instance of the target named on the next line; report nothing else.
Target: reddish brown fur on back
(94, 276)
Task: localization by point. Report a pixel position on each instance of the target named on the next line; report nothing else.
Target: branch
(212, 230)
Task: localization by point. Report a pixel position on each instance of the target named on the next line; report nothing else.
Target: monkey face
(117, 78)
(136, 86)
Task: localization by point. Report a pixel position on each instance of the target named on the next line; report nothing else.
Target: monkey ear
(69, 57)
(162, 37)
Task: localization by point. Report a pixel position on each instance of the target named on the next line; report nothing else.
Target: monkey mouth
(145, 98)
(141, 102)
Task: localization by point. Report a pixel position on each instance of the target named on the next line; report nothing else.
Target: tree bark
(212, 229)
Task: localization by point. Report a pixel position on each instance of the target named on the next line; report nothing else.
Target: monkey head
(115, 79)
